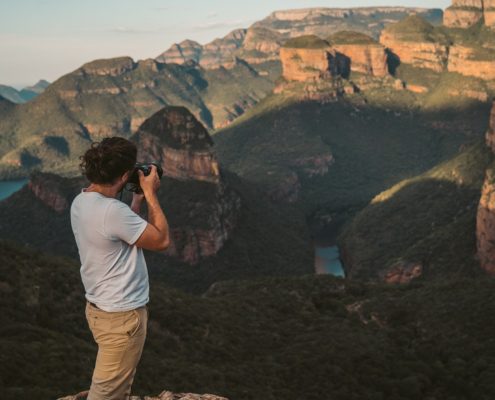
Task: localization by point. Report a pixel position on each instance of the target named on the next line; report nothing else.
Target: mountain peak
(182, 145)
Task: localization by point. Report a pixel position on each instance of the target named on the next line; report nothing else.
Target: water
(9, 187)
(327, 261)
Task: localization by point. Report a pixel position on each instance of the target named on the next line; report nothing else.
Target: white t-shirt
(113, 269)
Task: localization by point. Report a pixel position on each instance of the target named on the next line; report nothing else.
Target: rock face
(262, 40)
(53, 191)
(113, 67)
(204, 209)
(485, 219)
(309, 58)
(219, 52)
(366, 55)
(463, 60)
(415, 42)
(466, 13)
(175, 138)
(165, 395)
(403, 272)
(423, 55)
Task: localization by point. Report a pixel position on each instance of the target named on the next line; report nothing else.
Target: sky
(49, 38)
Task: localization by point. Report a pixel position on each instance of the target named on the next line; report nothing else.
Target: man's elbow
(164, 245)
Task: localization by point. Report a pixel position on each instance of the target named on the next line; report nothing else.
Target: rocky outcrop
(52, 190)
(219, 52)
(110, 67)
(485, 219)
(179, 53)
(204, 209)
(403, 272)
(262, 40)
(415, 42)
(323, 21)
(466, 13)
(465, 61)
(165, 395)
(310, 58)
(176, 139)
(366, 55)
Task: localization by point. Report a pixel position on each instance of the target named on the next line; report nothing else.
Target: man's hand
(150, 183)
(156, 235)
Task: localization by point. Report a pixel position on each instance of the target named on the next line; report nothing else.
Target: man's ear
(126, 176)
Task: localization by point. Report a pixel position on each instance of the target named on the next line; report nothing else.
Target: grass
(350, 37)
(306, 42)
(416, 29)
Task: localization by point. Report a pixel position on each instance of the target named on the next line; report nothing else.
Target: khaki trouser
(120, 337)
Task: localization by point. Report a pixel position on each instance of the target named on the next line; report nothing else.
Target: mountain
(113, 97)
(464, 14)
(352, 116)
(262, 40)
(300, 337)
(222, 227)
(30, 92)
(24, 95)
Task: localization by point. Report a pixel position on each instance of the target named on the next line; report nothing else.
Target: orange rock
(429, 55)
(368, 59)
(308, 64)
(462, 60)
(403, 272)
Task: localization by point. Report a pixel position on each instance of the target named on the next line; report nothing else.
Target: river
(9, 187)
(327, 260)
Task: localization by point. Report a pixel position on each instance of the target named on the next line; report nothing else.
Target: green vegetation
(84, 107)
(306, 42)
(429, 218)
(272, 338)
(350, 37)
(415, 29)
(377, 138)
(258, 245)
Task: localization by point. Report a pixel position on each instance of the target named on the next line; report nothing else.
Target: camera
(133, 182)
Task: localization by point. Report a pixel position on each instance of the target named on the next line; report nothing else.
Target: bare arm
(156, 235)
(137, 200)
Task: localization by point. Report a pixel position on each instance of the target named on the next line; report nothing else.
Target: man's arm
(137, 200)
(156, 235)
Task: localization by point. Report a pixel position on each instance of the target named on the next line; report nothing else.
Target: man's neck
(105, 190)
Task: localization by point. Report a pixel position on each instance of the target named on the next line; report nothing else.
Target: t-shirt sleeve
(123, 223)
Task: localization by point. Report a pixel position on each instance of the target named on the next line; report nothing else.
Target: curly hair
(109, 159)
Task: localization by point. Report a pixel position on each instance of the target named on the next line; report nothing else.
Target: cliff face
(366, 59)
(176, 139)
(219, 52)
(485, 219)
(310, 64)
(419, 53)
(54, 191)
(466, 13)
(463, 60)
(183, 147)
(262, 40)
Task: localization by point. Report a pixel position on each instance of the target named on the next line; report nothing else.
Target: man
(110, 237)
